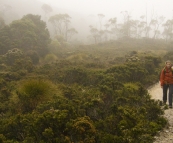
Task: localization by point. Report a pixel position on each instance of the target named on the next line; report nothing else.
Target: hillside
(56, 91)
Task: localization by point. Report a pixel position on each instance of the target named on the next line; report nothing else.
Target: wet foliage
(51, 95)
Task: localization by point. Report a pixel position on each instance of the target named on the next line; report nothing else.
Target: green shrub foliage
(33, 92)
(114, 108)
(87, 95)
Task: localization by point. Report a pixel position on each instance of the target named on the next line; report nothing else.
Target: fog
(112, 8)
(84, 13)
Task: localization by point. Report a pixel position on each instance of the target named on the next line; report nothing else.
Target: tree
(95, 33)
(113, 22)
(71, 32)
(6, 42)
(47, 9)
(127, 25)
(100, 16)
(142, 25)
(106, 31)
(168, 30)
(60, 23)
(23, 34)
(66, 22)
(4, 8)
(135, 28)
(28, 33)
(113, 25)
(156, 24)
(42, 33)
(2, 22)
(147, 30)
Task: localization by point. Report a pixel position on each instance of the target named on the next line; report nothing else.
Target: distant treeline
(60, 26)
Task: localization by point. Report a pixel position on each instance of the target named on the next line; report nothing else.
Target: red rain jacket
(166, 76)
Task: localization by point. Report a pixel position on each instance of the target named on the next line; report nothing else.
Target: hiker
(166, 82)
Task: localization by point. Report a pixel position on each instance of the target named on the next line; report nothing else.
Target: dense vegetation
(52, 92)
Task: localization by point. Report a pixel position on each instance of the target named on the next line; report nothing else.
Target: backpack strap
(165, 70)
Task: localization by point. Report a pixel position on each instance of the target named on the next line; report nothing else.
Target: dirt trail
(165, 136)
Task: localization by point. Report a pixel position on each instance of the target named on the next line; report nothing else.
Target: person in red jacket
(166, 82)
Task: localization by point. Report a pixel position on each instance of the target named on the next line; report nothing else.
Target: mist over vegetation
(67, 77)
(91, 28)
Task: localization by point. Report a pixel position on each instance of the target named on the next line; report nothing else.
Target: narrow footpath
(165, 136)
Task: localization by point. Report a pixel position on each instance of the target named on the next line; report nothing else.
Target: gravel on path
(166, 135)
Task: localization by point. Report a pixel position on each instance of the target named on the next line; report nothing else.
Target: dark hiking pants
(167, 87)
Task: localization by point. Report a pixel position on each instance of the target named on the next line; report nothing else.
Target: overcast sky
(112, 8)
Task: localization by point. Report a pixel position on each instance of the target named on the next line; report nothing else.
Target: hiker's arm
(162, 78)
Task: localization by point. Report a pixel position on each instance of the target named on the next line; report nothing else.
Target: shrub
(168, 56)
(32, 92)
(12, 55)
(50, 58)
(34, 56)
